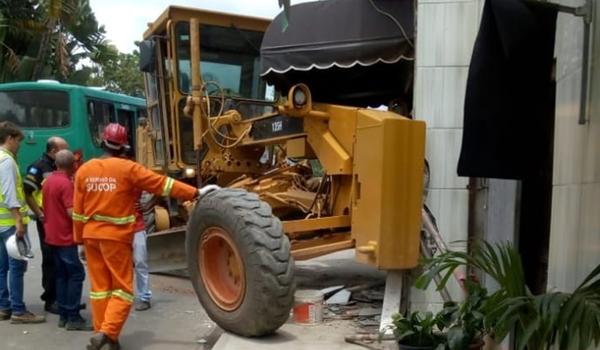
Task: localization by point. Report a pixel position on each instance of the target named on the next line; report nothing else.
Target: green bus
(76, 113)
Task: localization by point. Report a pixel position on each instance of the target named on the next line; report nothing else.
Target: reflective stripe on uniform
(123, 295)
(5, 216)
(117, 221)
(38, 197)
(113, 220)
(79, 217)
(108, 294)
(31, 183)
(168, 187)
(100, 295)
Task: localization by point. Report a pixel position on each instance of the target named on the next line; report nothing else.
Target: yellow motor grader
(299, 178)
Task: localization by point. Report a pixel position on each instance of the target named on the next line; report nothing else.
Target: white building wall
(575, 227)
(446, 31)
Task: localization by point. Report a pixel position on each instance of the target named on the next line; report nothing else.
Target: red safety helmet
(115, 136)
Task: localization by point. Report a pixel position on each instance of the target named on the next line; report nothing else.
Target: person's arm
(34, 207)
(20, 227)
(66, 198)
(77, 210)
(150, 181)
(31, 183)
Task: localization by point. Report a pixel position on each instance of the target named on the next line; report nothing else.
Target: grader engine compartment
(300, 178)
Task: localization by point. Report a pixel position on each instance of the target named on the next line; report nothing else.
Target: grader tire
(239, 262)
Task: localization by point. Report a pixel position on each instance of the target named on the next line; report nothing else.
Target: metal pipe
(437, 279)
(433, 233)
(196, 82)
(586, 67)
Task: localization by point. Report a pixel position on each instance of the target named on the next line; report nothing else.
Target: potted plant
(419, 331)
(559, 319)
(464, 322)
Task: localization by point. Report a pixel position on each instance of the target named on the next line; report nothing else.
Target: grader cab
(299, 178)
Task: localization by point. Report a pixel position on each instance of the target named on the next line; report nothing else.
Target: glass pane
(159, 151)
(186, 133)
(152, 93)
(100, 114)
(35, 109)
(230, 57)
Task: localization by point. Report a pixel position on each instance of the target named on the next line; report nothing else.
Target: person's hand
(208, 189)
(41, 217)
(21, 229)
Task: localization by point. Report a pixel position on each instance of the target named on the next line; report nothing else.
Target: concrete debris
(370, 322)
(341, 297)
(331, 290)
(369, 311)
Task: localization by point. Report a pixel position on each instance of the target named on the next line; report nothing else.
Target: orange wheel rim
(221, 268)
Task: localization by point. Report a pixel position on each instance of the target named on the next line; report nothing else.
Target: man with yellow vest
(106, 191)
(32, 184)
(13, 221)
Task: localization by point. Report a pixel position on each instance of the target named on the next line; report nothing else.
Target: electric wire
(394, 20)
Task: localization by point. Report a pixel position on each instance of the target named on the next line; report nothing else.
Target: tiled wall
(446, 31)
(575, 226)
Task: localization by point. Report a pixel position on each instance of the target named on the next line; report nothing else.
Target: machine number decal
(277, 126)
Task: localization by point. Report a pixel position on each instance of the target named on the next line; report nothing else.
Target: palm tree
(567, 320)
(72, 33)
(19, 24)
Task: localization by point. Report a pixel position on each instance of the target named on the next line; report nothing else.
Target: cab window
(230, 57)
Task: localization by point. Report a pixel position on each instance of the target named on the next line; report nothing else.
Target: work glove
(207, 189)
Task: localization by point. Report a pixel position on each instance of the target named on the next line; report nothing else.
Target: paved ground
(178, 322)
(330, 270)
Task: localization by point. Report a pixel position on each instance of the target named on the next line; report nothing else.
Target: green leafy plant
(465, 321)
(419, 329)
(566, 320)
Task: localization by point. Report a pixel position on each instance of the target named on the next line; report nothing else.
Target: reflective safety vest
(6, 217)
(38, 196)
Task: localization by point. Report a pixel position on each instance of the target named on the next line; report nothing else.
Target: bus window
(100, 113)
(126, 118)
(35, 108)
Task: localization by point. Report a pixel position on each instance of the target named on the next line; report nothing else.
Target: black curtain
(510, 92)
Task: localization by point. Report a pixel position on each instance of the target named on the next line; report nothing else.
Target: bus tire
(239, 262)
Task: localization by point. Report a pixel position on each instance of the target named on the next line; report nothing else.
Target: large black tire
(265, 253)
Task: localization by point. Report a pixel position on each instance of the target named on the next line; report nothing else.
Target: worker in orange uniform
(104, 220)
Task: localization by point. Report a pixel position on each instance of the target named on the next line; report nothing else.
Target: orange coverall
(104, 221)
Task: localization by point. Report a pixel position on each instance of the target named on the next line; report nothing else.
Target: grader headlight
(299, 98)
(189, 173)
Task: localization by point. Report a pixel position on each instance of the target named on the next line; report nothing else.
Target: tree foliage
(48, 39)
(118, 72)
